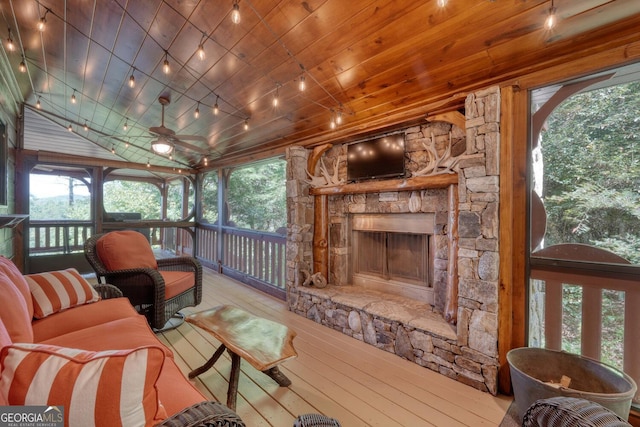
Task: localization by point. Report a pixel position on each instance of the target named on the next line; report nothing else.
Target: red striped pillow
(107, 388)
(55, 291)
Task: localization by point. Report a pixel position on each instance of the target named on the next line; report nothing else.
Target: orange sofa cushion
(81, 317)
(55, 291)
(5, 340)
(14, 312)
(121, 334)
(9, 268)
(111, 388)
(174, 391)
(125, 250)
(176, 282)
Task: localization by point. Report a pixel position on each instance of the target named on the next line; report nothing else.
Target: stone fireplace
(411, 263)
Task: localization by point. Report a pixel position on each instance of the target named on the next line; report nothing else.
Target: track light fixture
(22, 66)
(196, 113)
(42, 23)
(132, 78)
(148, 164)
(235, 13)
(165, 64)
(201, 53)
(73, 97)
(113, 150)
(216, 109)
(86, 127)
(70, 128)
(126, 125)
(10, 45)
(550, 22)
(38, 103)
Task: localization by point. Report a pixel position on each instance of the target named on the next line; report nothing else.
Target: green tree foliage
(257, 196)
(591, 154)
(70, 205)
(210, 197)
(133, 196)
(174, 199)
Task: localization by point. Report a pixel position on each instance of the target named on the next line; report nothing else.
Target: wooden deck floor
(333, 375)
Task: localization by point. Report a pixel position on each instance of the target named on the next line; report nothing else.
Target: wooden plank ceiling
(377, 64)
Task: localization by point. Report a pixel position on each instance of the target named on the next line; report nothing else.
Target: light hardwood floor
(334, 374)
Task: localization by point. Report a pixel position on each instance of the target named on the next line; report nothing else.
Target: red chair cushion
(125, 250)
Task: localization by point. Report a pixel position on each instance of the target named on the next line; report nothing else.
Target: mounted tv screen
(376, 158)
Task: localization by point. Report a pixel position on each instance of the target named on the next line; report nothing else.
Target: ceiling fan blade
(191, 138)
(200, 150)
(161, 130)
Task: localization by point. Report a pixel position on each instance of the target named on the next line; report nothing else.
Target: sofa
(85, 351)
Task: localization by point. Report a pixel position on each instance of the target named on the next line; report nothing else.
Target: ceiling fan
(167, 139)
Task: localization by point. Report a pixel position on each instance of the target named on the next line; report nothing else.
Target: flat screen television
(381, 157)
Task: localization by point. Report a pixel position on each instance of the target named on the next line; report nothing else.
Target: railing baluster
(632, 336)
(553, 314)
(591, 322)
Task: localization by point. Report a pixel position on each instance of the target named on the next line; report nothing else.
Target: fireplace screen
(399, 257)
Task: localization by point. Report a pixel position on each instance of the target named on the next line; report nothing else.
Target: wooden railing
(63, 237)
(248, 255)
(256, 258)
(593, 282)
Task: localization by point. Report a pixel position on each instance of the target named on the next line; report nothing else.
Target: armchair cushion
(176, 282)
(55, 291)
(125, 250)
(14, 312)
(94, 387)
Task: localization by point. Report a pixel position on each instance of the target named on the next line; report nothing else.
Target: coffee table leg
(233, 381)
(278, 376)
(209, 363)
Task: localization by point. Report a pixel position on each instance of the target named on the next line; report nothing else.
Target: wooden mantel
(404, 184)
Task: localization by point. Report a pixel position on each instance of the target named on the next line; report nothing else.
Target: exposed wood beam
(49, 157)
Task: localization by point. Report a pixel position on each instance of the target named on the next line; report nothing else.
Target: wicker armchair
(156, 288)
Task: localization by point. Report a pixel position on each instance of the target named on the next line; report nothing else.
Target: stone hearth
(414, 330)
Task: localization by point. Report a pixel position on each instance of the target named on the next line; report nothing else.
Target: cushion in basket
(9, 268)
(55, 291)
(125, 250)
(109, 388)
(14, 312)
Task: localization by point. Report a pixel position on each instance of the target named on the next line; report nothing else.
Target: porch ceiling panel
(378, 63)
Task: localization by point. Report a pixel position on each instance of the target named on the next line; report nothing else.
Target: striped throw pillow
(107, 388)
(55, 291)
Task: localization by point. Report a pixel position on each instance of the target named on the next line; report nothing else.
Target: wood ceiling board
(142, 12)
(108, 24)
(506, 62)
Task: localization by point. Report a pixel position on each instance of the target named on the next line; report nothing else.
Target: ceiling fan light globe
(161, 147)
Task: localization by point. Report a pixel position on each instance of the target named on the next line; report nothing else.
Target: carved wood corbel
(456, 118)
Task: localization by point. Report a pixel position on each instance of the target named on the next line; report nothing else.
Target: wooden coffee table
(261, 342)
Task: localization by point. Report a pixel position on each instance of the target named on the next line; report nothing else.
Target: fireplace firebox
(392, 253)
